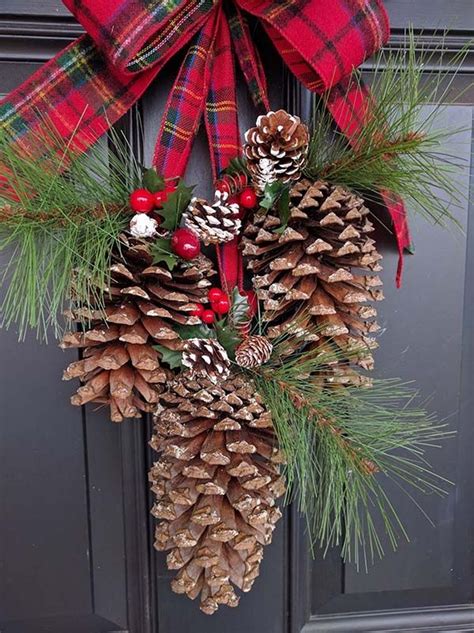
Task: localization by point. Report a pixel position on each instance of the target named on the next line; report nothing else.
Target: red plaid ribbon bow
(96, 79)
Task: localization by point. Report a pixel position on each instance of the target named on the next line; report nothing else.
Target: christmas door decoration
(244, 322)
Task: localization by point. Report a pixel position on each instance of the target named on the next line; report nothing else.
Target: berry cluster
(220, 305)
(247, 195)
(144, 201)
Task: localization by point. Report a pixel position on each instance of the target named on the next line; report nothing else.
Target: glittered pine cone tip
(276, 148)
(206, 358)
(214, 223)
(253, 352)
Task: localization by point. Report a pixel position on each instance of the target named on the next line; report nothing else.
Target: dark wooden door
(75, 533)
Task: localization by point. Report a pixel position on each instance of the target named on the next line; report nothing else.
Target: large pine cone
(216, 484)
(319, 274)
(276, 149)
(120, 367)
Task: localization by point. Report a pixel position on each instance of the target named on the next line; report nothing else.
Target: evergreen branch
(60, 220)
(397, 149)
(340, 443)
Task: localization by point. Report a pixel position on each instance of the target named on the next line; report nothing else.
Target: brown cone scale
(216, 483)
(119, 365)
(318, 276)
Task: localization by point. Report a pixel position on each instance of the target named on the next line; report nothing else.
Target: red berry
(223, 186)
(222, 306)
(160, 197)
(207, 316)
(185, 244)
(142, 201)
(198, 310)
(215, 294)
(248, 198)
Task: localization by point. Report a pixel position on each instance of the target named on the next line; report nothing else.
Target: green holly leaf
(283, 207)
(152, 181)
(194, 331)
(237, 165)
(239, 312)
(228, 336)
(173, 358)
(175, 205)
(271, 194)
(161, 252)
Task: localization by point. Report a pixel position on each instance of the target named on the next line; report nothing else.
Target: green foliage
(239, 309)
(398, 149)
(175, 205)
(228, 336)
(194, 331)
(283, 207)
(161, 252)
(342, 445)
(172, 358)
(237, 165)
(60, 219)
(152, 181)
(273, 193)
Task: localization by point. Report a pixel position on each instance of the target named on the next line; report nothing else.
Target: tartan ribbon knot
(96, 79)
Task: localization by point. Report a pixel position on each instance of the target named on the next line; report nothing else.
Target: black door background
(75, 534)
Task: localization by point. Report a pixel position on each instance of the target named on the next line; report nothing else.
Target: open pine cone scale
(319, 272)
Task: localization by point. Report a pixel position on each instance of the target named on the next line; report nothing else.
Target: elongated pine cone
(276, 149)
(216, 483)
(318, 276)
(206, 358)
(253, 352)
(215, 223)
(119, 366)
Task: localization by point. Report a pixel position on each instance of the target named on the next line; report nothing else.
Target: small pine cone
(206, 358)
(215, 223)
(216, 484)
(253, 352)
(276, 149)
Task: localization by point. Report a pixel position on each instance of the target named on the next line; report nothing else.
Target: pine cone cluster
(216, 484)
(276, 149)
(119, 366)
(253, 352)
(317, 276)
(214, 223)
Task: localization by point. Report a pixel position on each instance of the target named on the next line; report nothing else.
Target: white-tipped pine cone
(206, 358)
(215, 223)
(253, 352)
(276, 149)
(216, 484)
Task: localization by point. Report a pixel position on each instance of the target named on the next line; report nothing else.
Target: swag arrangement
(258, 384)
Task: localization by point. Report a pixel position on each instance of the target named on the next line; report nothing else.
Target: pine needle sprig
(60, 218)
(399, 148)
(340, 443)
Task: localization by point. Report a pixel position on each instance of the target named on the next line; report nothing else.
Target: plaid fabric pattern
(95, 80)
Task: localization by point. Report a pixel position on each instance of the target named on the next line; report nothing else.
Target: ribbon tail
(248, 57)
(224, 140)
(186, 102)
(398, 214)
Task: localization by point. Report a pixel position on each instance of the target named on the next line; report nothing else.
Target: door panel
(74, 537)
(76, 534)
(426, 337)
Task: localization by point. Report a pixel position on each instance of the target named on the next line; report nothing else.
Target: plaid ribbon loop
(97, 78)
